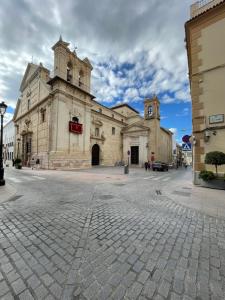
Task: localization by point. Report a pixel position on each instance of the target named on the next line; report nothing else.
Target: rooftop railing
(202, 5)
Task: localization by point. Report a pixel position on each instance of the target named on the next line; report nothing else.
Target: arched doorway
(95, 155)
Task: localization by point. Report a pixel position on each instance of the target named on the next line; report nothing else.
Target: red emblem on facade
(75, 127)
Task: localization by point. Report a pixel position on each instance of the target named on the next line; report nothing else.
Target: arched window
(69, 72)
(150, 111)
(81, 77)
(75, 119)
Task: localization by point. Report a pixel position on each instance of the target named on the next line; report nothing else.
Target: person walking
(146, 166)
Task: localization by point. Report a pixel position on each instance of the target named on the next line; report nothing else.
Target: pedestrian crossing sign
(186, 146)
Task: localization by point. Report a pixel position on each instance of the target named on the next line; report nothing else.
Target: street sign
(186, 139)
(186, 146)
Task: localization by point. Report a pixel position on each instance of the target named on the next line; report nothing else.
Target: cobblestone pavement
(113, 240)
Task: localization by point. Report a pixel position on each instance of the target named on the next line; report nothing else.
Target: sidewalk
(208, 201)
(6, 192)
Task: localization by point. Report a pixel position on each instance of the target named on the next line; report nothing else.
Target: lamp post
(3, 108)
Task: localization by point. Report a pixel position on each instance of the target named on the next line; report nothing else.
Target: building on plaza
(58, 121)
(205, 42)
(8, 141)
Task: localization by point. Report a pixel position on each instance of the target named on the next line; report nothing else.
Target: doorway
(134, 155)
(95, 155)
(26, 149)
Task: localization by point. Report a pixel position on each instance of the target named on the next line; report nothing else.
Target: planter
(18, 166)
(218, 184)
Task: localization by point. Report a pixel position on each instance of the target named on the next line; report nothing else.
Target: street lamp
(3, 108)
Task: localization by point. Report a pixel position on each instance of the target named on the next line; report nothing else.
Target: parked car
(160, 166)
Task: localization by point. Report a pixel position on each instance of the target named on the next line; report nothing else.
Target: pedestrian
(149, 165)
(37, 163)
(146, 166)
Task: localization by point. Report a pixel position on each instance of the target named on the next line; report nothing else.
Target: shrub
(206, 175)
(17, 161)
(215, 158)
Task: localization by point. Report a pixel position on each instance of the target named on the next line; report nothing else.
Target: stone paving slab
(114, 242)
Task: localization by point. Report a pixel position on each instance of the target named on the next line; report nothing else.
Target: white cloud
(110, 34)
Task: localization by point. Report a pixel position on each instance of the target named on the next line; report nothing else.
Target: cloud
(183, 113)
(136, 48)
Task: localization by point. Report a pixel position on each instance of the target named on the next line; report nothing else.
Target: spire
(60, 43)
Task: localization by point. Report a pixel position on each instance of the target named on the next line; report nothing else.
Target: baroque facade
(205, 49)
(58, 121)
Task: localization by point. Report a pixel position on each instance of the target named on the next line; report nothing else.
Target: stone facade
(47, 105)
(205, 49)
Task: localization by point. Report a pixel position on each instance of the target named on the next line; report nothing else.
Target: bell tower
(68, 66)
(152, 108)
(152, 119)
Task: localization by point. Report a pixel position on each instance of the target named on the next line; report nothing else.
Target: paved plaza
(99, 234)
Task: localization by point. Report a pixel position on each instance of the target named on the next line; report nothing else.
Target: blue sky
(137, 50)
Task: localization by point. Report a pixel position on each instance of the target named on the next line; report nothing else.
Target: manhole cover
(106, 197)
(186, 188)
(119, 184)
(185, 194)
(14, 198)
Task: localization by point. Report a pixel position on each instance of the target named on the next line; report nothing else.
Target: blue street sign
(186, 146)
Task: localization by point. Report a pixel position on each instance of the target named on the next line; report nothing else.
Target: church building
(58, 121)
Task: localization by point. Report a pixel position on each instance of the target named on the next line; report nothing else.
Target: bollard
(126, 169)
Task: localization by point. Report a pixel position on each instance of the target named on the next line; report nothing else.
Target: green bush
(207, 175)
(17, 161)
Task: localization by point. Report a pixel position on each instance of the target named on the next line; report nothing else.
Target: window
(69, 72)
(112, 115)
(75, 119)
(96, 131)
(43, 115)
(121, 120)
(28, 104)
(17, 129)
(81, 77)
(150, 111)
(113, 130)
(100, 110)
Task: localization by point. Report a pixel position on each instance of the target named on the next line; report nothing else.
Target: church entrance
(26, 149)
(95, 155)
(134, 155)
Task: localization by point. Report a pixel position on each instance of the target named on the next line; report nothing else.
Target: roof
(205, 11)
(166, 130)
(126, 105)
(55, 78)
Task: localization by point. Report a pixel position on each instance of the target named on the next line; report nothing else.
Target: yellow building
(205, 33)
(58, 121)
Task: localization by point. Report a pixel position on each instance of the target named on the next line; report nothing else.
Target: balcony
(200, 6)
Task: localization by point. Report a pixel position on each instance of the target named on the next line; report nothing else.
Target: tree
(215, 158)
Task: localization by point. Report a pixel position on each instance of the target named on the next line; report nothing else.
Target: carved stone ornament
(97, 122)
(27, 122)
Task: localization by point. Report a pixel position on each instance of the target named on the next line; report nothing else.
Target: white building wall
(8, 141)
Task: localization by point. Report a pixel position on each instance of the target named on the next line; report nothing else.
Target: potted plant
(208, 178)
(18, 163)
